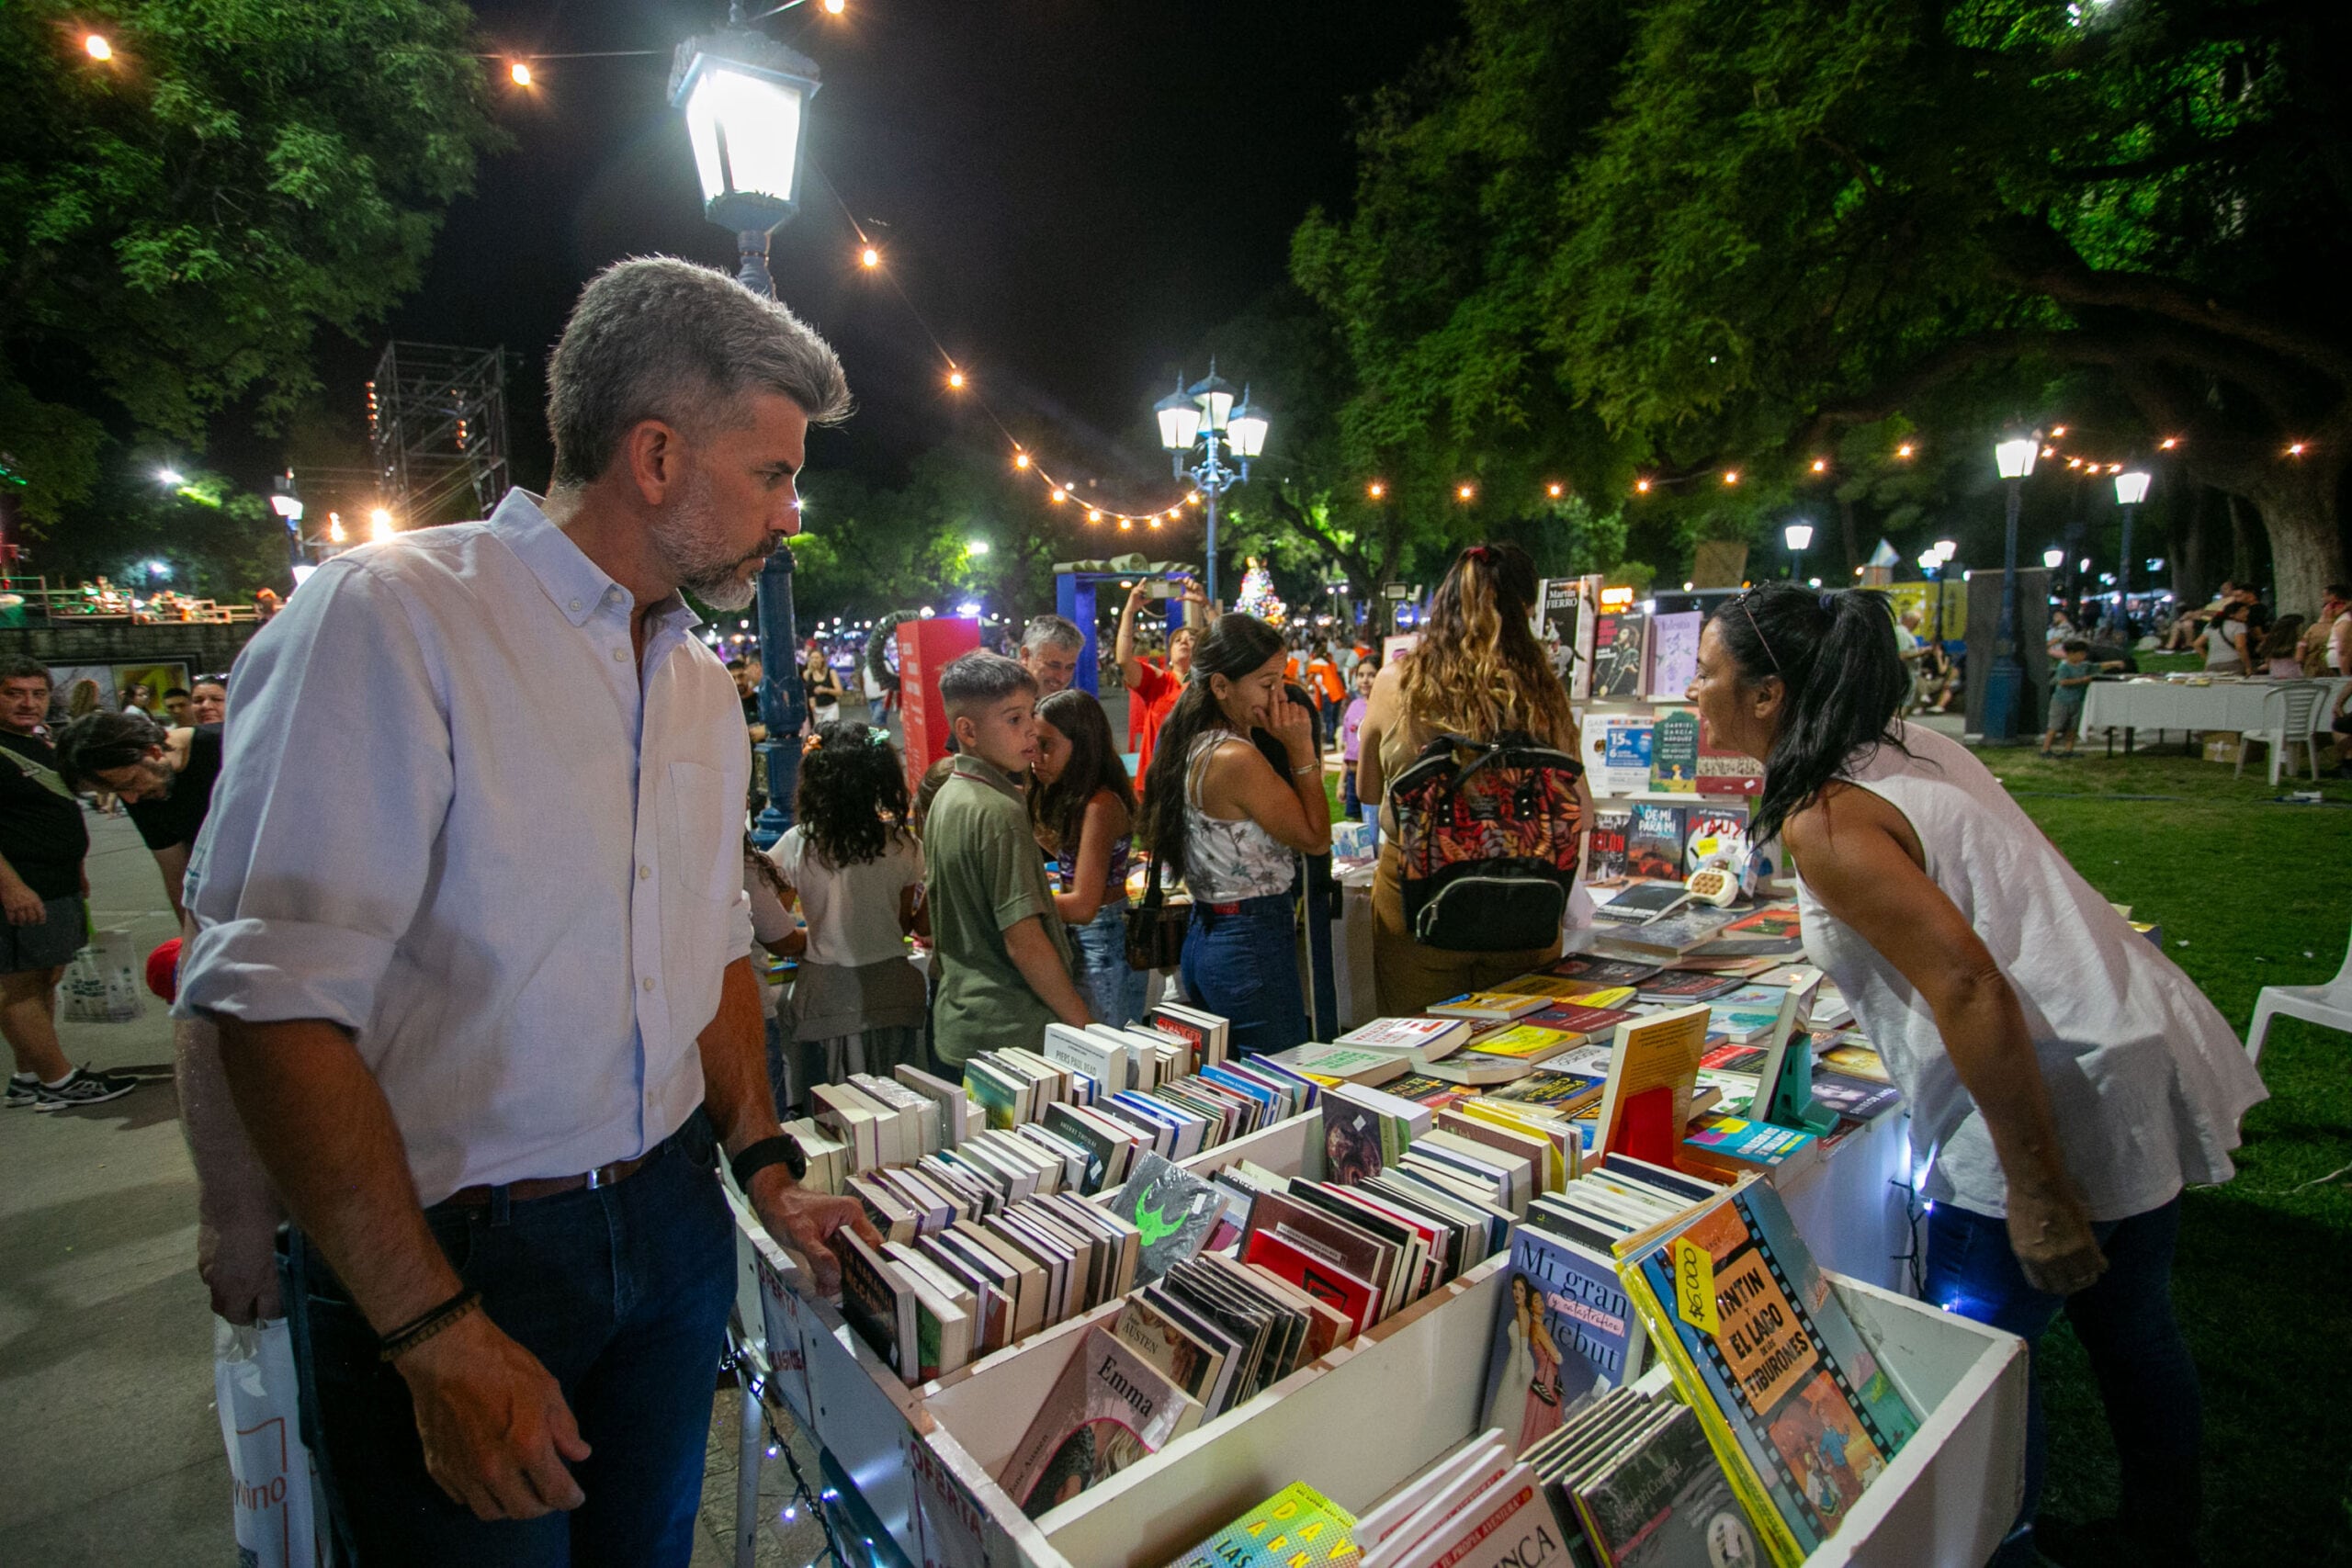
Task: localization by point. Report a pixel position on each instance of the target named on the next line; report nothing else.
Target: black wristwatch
(781, 1149)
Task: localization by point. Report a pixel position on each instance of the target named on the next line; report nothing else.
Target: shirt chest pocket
(699, 841)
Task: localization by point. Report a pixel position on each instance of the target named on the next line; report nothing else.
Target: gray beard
(684, 536)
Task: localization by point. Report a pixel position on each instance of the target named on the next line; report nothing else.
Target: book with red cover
(1723, 770)
(1315, 1274)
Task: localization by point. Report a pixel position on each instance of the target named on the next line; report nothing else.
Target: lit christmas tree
(1258, 596)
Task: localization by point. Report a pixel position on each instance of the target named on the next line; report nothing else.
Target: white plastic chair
(2329, 1005)
(2290, 712)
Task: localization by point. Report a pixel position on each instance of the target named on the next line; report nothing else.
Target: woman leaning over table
(1476, 671)
(2065, 1080)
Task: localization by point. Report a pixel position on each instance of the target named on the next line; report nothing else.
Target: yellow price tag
(1694, 1286)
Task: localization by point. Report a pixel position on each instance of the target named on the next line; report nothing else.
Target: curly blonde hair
(1477, 669)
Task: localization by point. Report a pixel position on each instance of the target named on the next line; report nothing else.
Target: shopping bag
(252, 1382)
(102, 984)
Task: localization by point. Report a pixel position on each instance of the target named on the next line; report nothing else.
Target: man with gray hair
(1050, 652)
(485, 1043)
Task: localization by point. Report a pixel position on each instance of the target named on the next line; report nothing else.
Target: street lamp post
(745, 97)
(1945, 550)
(286, 500)
(2131, 489)
(2005, 684)
(1205, 416)
(1798, 536)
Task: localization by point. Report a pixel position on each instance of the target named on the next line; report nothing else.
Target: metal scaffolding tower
(437, 418)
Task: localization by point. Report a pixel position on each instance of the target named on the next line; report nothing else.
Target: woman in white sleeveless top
(2065, 1080)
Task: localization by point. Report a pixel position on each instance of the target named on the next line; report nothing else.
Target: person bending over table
(2065, 1080)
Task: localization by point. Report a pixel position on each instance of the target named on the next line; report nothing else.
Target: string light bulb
(519, 74)
(1642, 487)
(2296, 448)
(2168, 442)
(2057, 429)
(1821, 465)
(1059, 494)
(956, 379)
(1731, 475)
(95, 46)
(1375, 489)
(1553, 491)
(1464, 492)
(869, 257)
(835, 7)
(1905, 450)
(1127, 523)
(1020, 460)
(1093, 515)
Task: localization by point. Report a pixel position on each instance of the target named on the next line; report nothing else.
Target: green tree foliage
(1706, 233)
(185, 218)
(219, 542)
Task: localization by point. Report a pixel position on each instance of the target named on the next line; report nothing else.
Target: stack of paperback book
(1634, 1479)
(1476, 1506)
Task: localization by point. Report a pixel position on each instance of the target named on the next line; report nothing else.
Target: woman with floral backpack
(1477, 677)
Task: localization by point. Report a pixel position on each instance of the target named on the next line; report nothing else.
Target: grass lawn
(2250, 893)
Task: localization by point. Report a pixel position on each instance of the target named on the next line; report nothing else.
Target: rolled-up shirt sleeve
(321, 837)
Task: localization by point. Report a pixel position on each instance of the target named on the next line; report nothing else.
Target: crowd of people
(486, 1074)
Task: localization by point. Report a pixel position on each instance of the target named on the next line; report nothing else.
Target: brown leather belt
(550, 1186)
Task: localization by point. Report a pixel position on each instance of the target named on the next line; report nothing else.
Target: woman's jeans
(1243, 965)
(2125, 1322)
(1113, 991)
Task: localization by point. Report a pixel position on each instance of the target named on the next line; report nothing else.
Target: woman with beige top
(1477, 671)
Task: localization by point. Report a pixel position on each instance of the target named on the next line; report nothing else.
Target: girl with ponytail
(1217, 811)
(1476, 671)
(2065, 1079)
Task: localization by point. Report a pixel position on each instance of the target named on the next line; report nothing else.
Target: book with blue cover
(1795, 1405)
(1565, 1327)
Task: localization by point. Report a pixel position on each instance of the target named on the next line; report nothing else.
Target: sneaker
(24, 1088)
(82, 1087)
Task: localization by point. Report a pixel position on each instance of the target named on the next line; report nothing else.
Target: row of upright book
(1772, 1420)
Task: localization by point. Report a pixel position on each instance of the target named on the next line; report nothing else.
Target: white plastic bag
(101, 984)
(252, 1379)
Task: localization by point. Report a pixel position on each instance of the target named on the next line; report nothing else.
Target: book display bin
(1352, 1425)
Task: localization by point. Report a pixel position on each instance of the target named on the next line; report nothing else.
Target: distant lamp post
(2013, 458)
(1205, 416)
(2131, 489)
(746, 98)
(286, 500)
(1798, 536)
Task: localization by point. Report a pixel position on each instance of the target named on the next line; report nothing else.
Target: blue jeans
(1113, 991)
(1244, 966)
(620, 1292)
(2125, 1322)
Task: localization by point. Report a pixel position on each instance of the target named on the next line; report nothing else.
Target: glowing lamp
(1247, 428)
(2053, 558)
(1179, 419)
(2014, 456)
(2130, 489)
(745, 97)
(1798, 536)
(1215, 394)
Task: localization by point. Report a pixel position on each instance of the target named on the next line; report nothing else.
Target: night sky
(1071, 192)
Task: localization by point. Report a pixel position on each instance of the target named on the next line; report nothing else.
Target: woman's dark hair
(1233, 647)
(101, 742)
(1059, 808)
(764, 869)
(2281, 643)
(1845, 686)
(853, 796)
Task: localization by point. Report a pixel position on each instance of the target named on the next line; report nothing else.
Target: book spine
(1763, 1514)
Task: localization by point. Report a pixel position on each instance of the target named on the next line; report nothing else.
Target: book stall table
(1352, 1425)
(2226, 704)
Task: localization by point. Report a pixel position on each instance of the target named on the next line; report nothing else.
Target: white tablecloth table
(2232, 705)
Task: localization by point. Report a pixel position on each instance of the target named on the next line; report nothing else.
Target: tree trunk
(1852, 541)
(2298, 506)
(2188, 549)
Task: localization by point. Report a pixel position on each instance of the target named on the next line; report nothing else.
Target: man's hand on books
(2051, 1232)
(805, 1221)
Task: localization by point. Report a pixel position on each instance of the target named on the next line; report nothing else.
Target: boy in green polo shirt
(1004, 959)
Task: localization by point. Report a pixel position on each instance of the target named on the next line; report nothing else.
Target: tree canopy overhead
(1699, 233)
(187, 214)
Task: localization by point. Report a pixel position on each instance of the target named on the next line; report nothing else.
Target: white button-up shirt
(457, 818)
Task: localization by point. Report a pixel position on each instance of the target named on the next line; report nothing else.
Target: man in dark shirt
(43, 841)
(164, 777)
